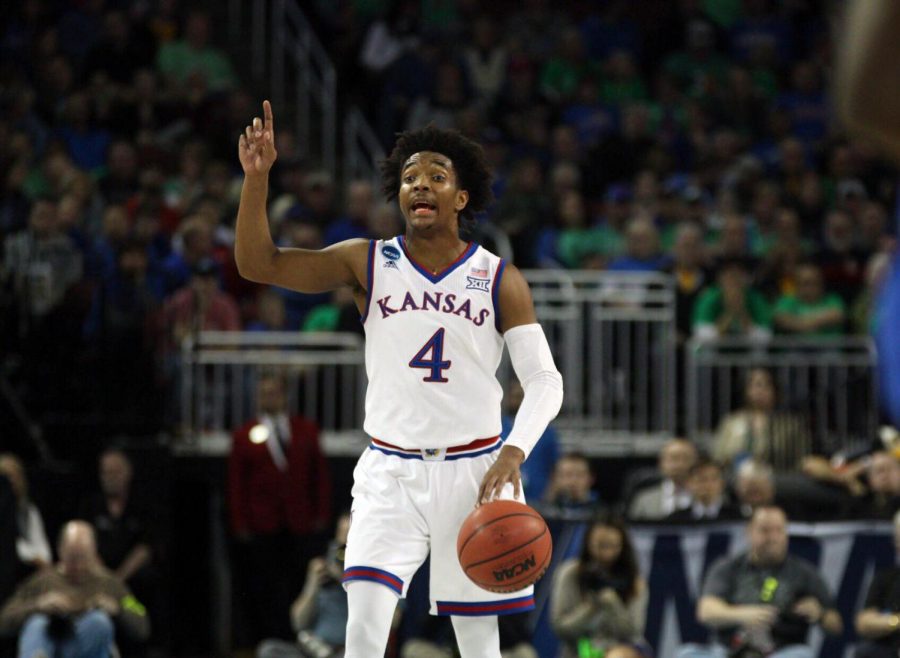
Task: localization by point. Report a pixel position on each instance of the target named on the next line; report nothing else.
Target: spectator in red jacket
(280, 505)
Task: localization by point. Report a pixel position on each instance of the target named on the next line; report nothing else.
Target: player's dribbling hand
(504, 471)
(256, 147)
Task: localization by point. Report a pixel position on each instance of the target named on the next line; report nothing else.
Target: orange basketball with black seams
(504, 546)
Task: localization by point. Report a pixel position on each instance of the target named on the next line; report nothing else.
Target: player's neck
(434, 252)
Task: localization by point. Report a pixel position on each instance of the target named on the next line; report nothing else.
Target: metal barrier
(286, 54)
(832, 381)
(362, 150)
(613, 337)
(325, 375)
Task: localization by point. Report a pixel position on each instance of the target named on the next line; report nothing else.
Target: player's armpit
(516, 306)
(318, 270)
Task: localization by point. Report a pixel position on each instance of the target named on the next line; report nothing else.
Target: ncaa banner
(674, 560)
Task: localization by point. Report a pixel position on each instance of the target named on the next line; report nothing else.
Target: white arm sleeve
(541, 381)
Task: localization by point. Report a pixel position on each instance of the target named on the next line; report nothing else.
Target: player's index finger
(267, 113)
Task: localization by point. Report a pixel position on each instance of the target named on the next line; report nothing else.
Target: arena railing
(324, 373)
(831, 381)
(612, 335)
(287, 55)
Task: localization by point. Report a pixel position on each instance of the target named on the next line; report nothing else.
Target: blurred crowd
(692, 137)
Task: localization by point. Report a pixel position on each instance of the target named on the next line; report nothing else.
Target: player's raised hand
(256, 147)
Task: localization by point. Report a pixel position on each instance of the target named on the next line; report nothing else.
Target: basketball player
(436, 311)
(868, 98)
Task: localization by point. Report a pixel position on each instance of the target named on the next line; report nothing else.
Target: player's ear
(462, 200)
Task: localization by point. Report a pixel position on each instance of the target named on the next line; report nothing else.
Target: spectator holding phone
(599, 599)
(319, 614)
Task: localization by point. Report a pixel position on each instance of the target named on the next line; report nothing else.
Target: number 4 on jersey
(435, 346)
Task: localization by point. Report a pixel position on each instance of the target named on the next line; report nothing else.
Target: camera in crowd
(60, 627)
(334, 557)
(597, 581)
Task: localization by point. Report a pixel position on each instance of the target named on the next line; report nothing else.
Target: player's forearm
(868, 70)
(254, 249)
(541, 381)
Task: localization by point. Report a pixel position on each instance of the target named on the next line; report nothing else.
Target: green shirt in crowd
(575, 245)
(709, 307)
(790, 305)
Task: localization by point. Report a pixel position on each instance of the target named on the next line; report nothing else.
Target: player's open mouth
(422, 208)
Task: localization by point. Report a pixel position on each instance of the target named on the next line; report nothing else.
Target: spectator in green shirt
(732, 307)
(590, 247)
(811, 311)
(191, 55)
(562, 74)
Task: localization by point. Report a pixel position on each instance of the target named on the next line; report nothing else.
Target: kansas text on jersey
(433, 345)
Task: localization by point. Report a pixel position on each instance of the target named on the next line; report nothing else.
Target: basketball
(504, 546)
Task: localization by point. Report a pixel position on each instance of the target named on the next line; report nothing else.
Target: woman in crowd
(761, 430)
(764, 431)
(599, 599)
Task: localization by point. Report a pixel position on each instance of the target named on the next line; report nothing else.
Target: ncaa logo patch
(390, 252)
(474, 283)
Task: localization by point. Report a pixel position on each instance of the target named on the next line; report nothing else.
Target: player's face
(429, 195)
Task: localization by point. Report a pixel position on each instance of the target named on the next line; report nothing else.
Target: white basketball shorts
(409, 502)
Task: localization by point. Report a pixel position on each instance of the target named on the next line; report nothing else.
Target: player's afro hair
(469, 162)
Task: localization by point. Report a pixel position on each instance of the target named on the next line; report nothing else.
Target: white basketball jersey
(433, 345)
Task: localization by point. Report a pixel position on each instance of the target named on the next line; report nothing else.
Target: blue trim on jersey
(447, 458)
(485, 608)
(392, 453)
(436, 278)
(373, 575)
(370, 279)
(495, 293)
(492, 448)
